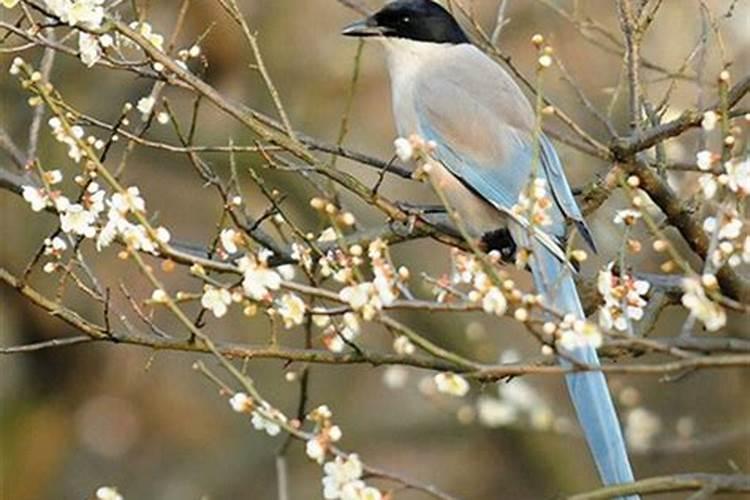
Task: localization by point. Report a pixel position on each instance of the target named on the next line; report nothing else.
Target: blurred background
(73, 419)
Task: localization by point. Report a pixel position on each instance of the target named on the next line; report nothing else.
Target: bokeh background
(76, 418)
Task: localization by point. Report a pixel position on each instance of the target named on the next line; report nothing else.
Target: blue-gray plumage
(446, 90)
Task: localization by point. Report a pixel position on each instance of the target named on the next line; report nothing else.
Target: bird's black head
(420, 20)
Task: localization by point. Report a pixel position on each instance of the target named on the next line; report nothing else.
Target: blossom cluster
(623, 299)
(262, 415)
(343, 480)
(534, 203)
(95, 215)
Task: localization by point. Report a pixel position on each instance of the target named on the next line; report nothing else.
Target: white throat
(406, 58)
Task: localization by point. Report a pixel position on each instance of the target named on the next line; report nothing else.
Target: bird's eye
(406, 19)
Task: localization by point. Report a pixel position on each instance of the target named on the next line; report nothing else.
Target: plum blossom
(404, 149)
(731, 227)
(385, 280)
(130, 201)
(216, 300)
(54, 246)
(335, 338)
(315, 449)
(147, 32)
(9, 4)
(710, 119)
(262, 423)
(291, 309)
(241, 403)
(574, 333)
(229, 239)
(363, 298)
(708, 185)
(738, 176)
(627, 217)
(258, 280)
(89, 48)
(89, 13)
(622, 299)
(494, 302)
(108, 493)
(69, 137)
(77, 220)
(705, 160)
(534, 203)
(451, 384)
(710, 313)
(36, 197)
(342, 480)
(146, 106)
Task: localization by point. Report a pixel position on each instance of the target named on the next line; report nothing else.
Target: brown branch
(718, 483)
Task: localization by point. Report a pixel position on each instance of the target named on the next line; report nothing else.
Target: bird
(483, 138)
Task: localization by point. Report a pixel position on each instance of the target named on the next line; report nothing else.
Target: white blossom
(263, 423)
(339, 474)
(452, 384)
(53, 176)
(627, 216)
(216, 300)
(738, 176)
(159, 296)
(701, 307)
(363, 298)
(108, 493)
(229, 238)
(258, 280)
(404, 149)
(89, 13)
(146, 106)
(37, 198)
(292, 310)
(286, 271)
(622, 299)
(54, 246)
(147, 32)
(708, 185)
(577, 333)
(241, 402)
(89, 49)
(131, 200)
(9, 4)
(704, 159)
(710, 118)
(77, 220)
(315, 450)
(494, 302)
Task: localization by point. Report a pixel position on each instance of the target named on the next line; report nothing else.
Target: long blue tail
(588, 390)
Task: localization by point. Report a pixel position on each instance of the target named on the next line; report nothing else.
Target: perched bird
(447, 91)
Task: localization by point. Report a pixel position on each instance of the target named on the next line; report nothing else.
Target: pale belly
(477, 216)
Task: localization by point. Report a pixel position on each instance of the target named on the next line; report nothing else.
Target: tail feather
(588, 390)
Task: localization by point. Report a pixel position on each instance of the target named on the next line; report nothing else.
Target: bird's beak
(364, 27)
